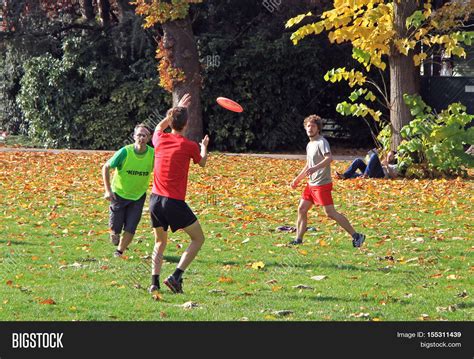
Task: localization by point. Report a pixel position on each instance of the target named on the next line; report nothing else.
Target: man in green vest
(134, 166)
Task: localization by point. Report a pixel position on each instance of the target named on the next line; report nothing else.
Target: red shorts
(318, 194)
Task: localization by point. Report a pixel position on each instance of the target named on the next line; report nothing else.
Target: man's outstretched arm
(204, 143)
(164, 124)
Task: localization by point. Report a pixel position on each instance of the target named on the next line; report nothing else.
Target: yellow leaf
(453, 276)
(225, 280)
(258, 265)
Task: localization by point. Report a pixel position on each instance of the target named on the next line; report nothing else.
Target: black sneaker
(296, 242)
(176, 286)
(357, 242)
(153, 288)
(118, 254)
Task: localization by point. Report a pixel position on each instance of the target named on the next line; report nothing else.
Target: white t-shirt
(315, 151)
(390, 170)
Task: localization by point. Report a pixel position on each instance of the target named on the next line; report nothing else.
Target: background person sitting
(374, 167)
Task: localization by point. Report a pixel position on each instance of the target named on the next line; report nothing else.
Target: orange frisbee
(228, 104)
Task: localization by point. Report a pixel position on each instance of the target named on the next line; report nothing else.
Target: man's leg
(161, 239)
(126, 239)
(174, 281)
(374, 167)
(133, 215)
(357, 164)
(302, 221)
(357, 238)
(339, 218)
(196, 234)
(116, 221)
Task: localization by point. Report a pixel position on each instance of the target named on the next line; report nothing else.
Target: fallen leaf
(453, 276)
(282, 313)
(217, 291)
(424, 317)
(156, 296)
(258, 265)
(319, 277)
(190, 305)
(302, 286)
(225, 280)
(359, 315)
(48, 301)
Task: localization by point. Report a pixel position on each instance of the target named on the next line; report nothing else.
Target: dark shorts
(125, 214)
(165, 211)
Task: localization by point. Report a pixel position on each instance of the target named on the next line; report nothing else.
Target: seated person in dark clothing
(374, 167)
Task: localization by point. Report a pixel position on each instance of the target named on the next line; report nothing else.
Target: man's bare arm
(109, 194)
(324, 163)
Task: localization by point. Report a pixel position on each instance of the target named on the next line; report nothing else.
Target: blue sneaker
(358, 240)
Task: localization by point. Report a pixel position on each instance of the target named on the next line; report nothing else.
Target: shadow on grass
(465, 305)
(172, 259)
(346, 267)
(321, 298)
(15, 243)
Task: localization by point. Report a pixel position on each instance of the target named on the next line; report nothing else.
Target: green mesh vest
(133, 179)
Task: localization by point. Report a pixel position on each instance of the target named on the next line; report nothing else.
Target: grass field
(57, 263)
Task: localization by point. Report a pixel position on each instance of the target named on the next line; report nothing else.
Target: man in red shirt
(168, 208)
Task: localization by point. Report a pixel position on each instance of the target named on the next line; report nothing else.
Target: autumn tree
(382, 32)
(177, 53)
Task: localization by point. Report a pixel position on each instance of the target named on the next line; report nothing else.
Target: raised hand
(185, 100)
(205, 141)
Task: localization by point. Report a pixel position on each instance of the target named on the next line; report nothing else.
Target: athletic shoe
(115, 239)
(117, 253)
(176, 286)
(296, 241)
(357, 242)
(153, 288)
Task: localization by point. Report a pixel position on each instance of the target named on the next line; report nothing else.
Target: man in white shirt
(319, 186)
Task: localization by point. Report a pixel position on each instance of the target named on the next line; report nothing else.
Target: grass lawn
(57, 263)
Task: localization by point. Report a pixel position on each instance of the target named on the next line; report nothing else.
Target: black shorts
(125, 214)
(165, 211)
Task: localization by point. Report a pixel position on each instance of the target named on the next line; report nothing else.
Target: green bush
(88, 97)
(434, 144)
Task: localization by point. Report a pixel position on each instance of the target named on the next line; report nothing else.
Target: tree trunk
(124, 8)
(104, 12)
(179, 40)
(87, 9)
(402, 73)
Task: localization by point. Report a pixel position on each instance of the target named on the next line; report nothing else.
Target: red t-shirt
(172, 155)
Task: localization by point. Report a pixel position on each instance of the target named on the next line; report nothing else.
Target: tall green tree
(389, 32)
(177, 52)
